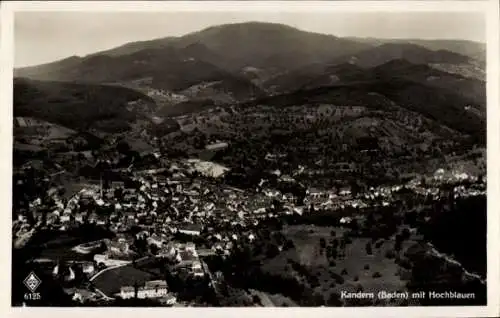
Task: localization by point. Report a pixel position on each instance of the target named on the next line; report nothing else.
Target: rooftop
(191, 227)
(155, 284)
(187, 256)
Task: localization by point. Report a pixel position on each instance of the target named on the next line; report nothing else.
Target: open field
(351, 269)
(110, 282)
(306, 241)
(361, 268)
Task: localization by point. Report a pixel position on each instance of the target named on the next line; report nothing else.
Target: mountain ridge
(464, 47)
(245, 62)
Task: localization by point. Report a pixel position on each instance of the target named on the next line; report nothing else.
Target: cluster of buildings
(184, 199)
(173, 200)
(154, 289)
(333, 199)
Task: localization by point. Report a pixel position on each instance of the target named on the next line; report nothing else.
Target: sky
(41, 37)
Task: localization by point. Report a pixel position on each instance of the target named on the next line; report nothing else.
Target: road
(117, 266)
(447, 258)
(106, 297)
(103, 295)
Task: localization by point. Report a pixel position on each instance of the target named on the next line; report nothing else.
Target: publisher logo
(32, 282)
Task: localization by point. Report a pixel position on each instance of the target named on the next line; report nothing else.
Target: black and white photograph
(250, 158)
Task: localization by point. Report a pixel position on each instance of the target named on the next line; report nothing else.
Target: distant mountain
(246, 56)
(464, 58)
(168, 68)
(326, 75)
(411, 52)
(268, 48)
(272, 47)
(475, 50)
(257, 44)
(242, 64)
(48, 70)
(266, 41)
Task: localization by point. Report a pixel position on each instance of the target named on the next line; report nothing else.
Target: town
(249, 163)
(156, 230)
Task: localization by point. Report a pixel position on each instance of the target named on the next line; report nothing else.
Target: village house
(155, 239)
(189, 260)
(88, 268)
(151, 289)
(167, 251)
(190, 229)
(119, 246)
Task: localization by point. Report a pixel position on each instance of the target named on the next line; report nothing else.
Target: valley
(273, 165)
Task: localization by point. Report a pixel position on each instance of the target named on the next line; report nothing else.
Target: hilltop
(81, 106)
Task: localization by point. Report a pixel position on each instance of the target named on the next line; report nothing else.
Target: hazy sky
(42, 37)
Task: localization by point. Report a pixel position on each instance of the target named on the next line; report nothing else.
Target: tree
(154, 249)
(397, 244)
(318, 300)
(334, 300)
(335, 243)
(136, 289)
(390, 254)
(322, 243)
(405, 234)
(272, 251)
(256, 299)
(289, 245)
(369, 249)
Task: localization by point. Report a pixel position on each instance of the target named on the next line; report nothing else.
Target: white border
(6, 59)
(254, 6)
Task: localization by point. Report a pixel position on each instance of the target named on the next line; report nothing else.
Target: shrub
(369, 249)
(405, 234)
(339, 280)
(376, 275)
(335, 243)
(322, 243)
(390, 254)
